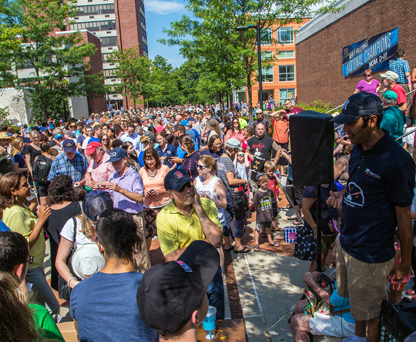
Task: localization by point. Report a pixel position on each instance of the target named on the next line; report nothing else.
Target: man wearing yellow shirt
(188, 218)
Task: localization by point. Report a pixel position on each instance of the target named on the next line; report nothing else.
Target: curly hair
(61, 189)
(117, 233)
(8, 182)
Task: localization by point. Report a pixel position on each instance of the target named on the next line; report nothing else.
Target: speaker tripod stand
(319, 266)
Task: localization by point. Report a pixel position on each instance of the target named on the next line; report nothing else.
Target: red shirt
(272, 186)
(401, 94)
(294, 110)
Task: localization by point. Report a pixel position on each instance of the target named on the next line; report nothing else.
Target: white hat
(259, 111)
(87, 260)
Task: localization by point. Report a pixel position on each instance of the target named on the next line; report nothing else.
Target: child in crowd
(264, 212)
(242, 166)
(274, 181)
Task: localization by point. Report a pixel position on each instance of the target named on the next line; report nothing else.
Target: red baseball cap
(91, 147)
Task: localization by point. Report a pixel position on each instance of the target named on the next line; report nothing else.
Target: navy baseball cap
(359, 105)
(176, 179)
(117, 154)
(95, 203)
(69, 145)
(169, 293)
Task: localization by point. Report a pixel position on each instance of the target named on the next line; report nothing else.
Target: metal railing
(340, 126)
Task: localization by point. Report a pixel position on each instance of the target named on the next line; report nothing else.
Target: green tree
(51, 66)
(228, 54)
(164, 87)
(134, 72)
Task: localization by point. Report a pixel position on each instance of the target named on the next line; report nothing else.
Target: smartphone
(335, 225)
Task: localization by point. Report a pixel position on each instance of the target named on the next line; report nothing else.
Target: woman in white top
(210, 186)
(242, 165)
(95, 203)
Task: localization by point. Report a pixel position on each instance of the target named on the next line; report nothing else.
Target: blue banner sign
(375, 53)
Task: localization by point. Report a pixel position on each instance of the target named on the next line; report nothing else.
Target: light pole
(257, 27)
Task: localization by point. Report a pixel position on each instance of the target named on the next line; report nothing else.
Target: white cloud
(163, 7)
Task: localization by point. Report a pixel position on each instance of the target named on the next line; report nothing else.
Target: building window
(286, 94)
(142, 19)
(267, 73)
(266, 36)
(145, 48)
(285, 35)
(286, 73)
(95, 9)
(286, 54)
(109, 73)
(109, 41)
(105, 57)
(95, 25)
(144, 35)
(141, 4)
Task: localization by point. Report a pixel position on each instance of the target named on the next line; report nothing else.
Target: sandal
(274, 244)
(256, 248)
(229, 248)
(297, 223)
(244, 250)
(293, 217)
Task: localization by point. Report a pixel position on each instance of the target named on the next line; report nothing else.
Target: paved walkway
(269, 283)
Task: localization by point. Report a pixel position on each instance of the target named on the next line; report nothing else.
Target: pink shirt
(101, 171)
(157, 183)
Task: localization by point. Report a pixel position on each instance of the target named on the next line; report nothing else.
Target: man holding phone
(187, 218)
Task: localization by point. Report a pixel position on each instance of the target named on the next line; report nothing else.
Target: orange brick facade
(278, 87)
(319, 57)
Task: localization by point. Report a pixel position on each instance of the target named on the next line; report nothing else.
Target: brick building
(117, 23)
(279, 80)
(320, 43)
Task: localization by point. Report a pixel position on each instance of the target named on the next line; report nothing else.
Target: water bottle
(209, 323)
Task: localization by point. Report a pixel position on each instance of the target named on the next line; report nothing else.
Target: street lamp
(257, 27)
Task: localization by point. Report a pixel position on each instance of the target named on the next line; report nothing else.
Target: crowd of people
(101, 189)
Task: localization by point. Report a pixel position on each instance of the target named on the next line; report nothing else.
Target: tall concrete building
(117, 23)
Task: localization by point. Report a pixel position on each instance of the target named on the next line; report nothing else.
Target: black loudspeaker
(312, 146)
(397, 321)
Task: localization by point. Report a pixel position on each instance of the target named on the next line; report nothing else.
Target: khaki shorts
(364, 284)
(142, 257)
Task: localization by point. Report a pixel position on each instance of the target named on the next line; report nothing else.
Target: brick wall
(95, 105)
(319, 57)
(129, 32)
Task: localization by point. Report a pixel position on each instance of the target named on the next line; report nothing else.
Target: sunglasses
(186, 185)
(199, 166)
(240, 154)
(368, 75)
(104, 139)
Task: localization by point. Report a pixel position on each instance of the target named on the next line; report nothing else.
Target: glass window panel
(285, 35)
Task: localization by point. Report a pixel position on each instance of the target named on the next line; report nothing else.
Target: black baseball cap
(359, 105)
(95, 203)
(169, 293)
(176, 179)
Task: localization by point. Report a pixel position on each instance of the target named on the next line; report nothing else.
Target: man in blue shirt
(401, 67)
(375, 201)
(69, 163)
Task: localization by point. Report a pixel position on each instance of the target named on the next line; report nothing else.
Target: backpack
(41, 168)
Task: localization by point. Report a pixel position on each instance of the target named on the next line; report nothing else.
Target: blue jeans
(216, 294)
(41, 288)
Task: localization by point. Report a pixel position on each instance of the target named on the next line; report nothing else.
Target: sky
(159, 15)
